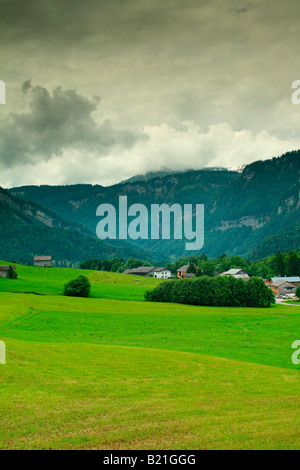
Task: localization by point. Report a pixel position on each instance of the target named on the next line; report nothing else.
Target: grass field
(115, 372)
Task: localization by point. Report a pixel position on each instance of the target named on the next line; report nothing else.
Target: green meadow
(115, 372)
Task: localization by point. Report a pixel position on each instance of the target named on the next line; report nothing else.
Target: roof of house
(42, 258)
(189, 275)
(287, 278)
(6, 268)
(279, 282)
(184, 268)
(139, 270)
(233, 272)
(158, 270)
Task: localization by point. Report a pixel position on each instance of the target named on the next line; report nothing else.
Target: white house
(161, 273)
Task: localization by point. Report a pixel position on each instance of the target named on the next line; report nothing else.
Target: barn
(42, 261)
(4, 271)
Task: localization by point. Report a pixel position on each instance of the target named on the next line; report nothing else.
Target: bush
(79, 287)
(217, 291)
(298, 292)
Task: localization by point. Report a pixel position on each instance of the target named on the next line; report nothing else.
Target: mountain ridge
(241, 208)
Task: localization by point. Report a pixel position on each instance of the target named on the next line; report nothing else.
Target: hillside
(283, 241)
(79, 202)
(26, 229)
(241, 209)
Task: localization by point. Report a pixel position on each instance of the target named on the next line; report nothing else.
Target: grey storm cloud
(179, 80)
(55, 122)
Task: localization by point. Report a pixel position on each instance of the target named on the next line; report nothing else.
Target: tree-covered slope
(241, 209)
(27, 229)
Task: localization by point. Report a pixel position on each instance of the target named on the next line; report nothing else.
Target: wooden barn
(4, 271)
(42, 261)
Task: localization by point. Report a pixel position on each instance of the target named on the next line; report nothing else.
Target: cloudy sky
(98, 91)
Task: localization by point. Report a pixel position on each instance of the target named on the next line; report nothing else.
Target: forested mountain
(27, 229)
(241, 209)
(79, 202)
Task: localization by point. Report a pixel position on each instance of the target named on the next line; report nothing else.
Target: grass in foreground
(76, 396)
(118, 374)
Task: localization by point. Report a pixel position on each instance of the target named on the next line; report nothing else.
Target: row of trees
(281, 264)
(116, 265)
(225, 291)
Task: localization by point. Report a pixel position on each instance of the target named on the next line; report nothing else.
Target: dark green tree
(291, 264)
(279, 264)
(191, 268)
(79, 287)
(208, 268)
(11, 274)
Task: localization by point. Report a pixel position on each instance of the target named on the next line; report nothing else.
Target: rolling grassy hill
(115, 372)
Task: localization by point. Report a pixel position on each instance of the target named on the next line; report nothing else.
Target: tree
(298, 292)
(292, 264)
(79, 287)
(11, 274)
(208, 268)
(279, 264)
(258, 294)
(239, 292)
(191, 268)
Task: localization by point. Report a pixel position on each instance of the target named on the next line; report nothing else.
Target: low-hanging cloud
(189, 147)
(54, 123)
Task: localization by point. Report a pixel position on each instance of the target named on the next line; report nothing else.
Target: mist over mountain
(154, 174)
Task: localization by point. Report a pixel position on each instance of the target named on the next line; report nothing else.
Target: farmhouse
(293, 279)
(141, 271)
(148, 271)
(237, 273)
(4, 271)
(161, 273)
(42, 261)
(282, 287)
(181, 272)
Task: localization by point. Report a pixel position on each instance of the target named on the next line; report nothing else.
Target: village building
(150, 271)
(4, 271)
(188, 275)
(237, 273)
(42, 261)
(293, 279)
(282, 287)
(184, 270)
(140, 271)
(161, 273)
